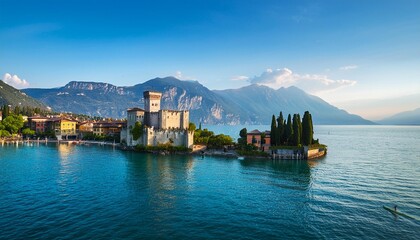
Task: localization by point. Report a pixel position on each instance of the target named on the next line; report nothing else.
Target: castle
(160, 126)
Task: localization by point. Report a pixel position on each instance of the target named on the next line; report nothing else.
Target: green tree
(280, 130)
(263, 138)
(5, 111)
(242, 134)
(199, 126)
(296, 136)
(273, 133)
(307, 129)
(191, 126)
(28, 132)
(202, 136)
(13, 123)
(288, 130)
(16, 110)
(4, 133)
(137, 131)
(219, 141)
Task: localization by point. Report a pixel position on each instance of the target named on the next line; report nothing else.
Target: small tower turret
(152, 101)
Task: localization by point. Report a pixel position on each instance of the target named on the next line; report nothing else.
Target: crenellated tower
(152, 101)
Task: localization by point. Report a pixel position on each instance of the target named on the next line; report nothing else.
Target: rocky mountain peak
(95, 86)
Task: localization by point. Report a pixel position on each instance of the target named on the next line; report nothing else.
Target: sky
(357, 55)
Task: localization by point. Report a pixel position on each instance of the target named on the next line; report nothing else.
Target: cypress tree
(280, 129)
(273, 134)
(311, 132)
(296, 136)
(300, 128)
(307, 129)
(5, 111)
(288, 131)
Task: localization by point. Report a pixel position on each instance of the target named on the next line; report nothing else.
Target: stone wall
(315, 153)
(180, 137)
(154, 137)
(174, 119)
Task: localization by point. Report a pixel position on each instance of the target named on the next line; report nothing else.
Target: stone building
(159, 126)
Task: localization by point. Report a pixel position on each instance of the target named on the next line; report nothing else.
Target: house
(108, 128)
(64, 127)
(85, 127)
(39, 124)
(159, 126)
(61, 127)
(259, 139)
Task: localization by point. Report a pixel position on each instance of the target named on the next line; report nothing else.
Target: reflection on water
(297, 172)
(161, 177)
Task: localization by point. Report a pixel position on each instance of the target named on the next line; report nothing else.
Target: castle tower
(152, 101)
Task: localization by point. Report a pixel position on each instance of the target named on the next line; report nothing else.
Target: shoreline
(198, 150)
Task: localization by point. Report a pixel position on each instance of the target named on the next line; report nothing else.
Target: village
(156, 129)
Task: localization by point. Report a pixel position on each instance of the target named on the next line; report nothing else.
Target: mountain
(249, 105)
(92, 98)
(403, 118)
(261, 102)
(14, 97)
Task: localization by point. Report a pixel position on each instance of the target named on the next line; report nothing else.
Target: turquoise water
(84, 192)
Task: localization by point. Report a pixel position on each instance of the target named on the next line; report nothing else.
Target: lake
(90, 192)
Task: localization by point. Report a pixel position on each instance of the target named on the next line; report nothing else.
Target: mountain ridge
(403, 118)
(253, 104)
(15, 97)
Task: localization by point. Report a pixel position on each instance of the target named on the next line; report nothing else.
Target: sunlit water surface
(69, 192)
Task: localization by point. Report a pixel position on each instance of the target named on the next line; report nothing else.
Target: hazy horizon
(353, 54)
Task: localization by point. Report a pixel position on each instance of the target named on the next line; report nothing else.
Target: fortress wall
(155, 137)
(173, 119)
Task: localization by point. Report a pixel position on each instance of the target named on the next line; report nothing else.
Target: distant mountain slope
(92, 98)
(205, 105)
(261, 102)
(14, 97)
(249, 105)
(403, 118)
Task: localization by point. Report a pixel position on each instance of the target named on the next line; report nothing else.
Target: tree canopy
(294, 132)
(13, 123)
(137, 130)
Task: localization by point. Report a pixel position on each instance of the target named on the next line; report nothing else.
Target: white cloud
(178, 74)
(239, 78)
(311, 83)
(349, 67)
(15, 81)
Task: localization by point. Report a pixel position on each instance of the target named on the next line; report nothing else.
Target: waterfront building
(259, 139)
(64, 127)
(112, 128)
(86, 127)
(39, 124)
(61, 127)
(159, 126)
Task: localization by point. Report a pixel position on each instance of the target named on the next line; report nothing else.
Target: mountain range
(252, 104)
(12, 96)
(403, 118)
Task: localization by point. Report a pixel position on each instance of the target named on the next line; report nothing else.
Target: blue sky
(347, 52)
